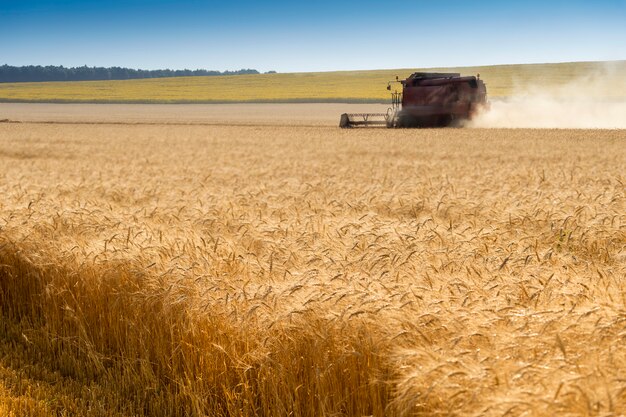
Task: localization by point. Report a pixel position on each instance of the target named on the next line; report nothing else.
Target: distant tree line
(32, 73)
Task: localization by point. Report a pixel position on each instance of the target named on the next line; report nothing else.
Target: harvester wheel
(455, 122)
(446, 121)
(404, 121)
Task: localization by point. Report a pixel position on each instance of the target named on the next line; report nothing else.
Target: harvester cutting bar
(363, 119)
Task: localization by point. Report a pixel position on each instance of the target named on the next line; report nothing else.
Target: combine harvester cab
(427, 100)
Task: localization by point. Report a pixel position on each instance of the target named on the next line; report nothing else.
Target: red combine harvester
(427, 100)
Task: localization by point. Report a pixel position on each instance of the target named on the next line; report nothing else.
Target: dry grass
(309, 271)
(340, 86)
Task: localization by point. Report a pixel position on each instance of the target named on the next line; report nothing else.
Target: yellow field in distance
(600, 79)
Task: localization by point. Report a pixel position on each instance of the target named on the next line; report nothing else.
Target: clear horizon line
(264, 72)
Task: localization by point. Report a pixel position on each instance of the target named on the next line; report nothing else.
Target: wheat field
(273, 270)
(316, 87)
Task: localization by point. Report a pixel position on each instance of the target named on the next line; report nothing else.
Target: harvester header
(427, 99)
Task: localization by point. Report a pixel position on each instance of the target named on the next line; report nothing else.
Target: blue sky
(308, 36)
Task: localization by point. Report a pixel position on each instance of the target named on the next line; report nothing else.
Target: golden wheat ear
(159, 261)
